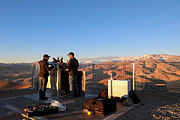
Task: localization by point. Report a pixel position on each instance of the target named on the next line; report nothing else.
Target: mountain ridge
(162, 57)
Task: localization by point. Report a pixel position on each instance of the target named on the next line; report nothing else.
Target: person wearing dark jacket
(53, 78)
(43, 76)
(72, 67)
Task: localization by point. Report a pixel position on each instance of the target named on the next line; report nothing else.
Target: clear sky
(90, 28)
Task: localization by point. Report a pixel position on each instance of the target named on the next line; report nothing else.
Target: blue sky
(90, 28)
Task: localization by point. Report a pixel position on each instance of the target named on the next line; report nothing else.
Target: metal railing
(148, 76)
(97, 75)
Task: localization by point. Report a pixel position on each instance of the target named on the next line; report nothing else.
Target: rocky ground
(157, 105)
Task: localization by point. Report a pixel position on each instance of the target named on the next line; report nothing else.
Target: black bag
(40, 110)
(134, 97)
(100, 106)
(103, 94)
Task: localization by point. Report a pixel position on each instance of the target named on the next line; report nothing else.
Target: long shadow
(174, 64)
(99, 75)
(155, 84)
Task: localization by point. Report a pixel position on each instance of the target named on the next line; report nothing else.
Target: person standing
(53, 77)
(43, 76)
(72, 67)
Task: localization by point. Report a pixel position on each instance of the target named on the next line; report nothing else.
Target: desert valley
(150, 71)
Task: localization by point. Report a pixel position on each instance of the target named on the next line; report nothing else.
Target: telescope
(57, 60)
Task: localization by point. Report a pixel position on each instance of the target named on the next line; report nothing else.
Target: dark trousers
(73, 86)
(42, 86)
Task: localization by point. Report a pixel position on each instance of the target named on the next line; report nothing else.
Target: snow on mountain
(162, 57)
(96, 60)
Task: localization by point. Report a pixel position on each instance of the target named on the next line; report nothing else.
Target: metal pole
(36, 84)
(32, 75)
(58, 82)
(93, 74)
(133, 76)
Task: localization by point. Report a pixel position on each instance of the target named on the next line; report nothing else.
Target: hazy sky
(90, 28)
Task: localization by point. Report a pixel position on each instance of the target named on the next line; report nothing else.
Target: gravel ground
(15, 92)
(157, 105)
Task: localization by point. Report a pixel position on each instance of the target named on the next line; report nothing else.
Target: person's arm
(65, 66)
(48, 68)
(68, 64)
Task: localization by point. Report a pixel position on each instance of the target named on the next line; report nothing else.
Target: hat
(46, 55)
(71, 53)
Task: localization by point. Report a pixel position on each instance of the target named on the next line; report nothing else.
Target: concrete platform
(16, 104)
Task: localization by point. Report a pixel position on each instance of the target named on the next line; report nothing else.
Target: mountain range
(157, 71)
(162, 57)
(150, 70)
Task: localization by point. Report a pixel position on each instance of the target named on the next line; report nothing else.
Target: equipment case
(100, 106)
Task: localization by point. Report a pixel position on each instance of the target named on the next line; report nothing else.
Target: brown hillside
(7, 84)
(15, 76)
(4, 85)
(155, 72)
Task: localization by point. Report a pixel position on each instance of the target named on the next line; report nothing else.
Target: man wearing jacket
(53, 77)
(43, 76)
(72, 67)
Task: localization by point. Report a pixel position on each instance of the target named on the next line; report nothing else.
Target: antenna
(111, 76)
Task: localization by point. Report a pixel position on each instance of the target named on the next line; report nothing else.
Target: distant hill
(7, 84)
(162, 57)
(15, 76)
(149, 73)
(97, 60)
(4, 85)
(154, 70)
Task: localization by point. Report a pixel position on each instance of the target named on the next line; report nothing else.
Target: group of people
(72, 67)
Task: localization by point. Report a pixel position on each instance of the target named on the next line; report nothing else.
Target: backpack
(128, 102)
(103, 94)
(134, 97)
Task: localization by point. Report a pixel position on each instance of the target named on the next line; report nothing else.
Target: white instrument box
(118, 88)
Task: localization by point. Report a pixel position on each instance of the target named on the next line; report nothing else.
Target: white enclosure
(118, 88)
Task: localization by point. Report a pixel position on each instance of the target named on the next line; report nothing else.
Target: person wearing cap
(43, 76)
(72, 67)
(53, 77)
